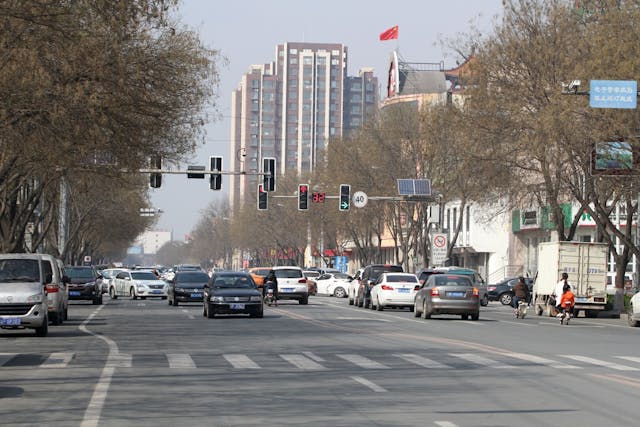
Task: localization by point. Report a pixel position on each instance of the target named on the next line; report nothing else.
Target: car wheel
(303, 301)
(44, 329)
(132, 293)
(54, 316)
(464, 316)
(416, 313)
(65, 314)
(475, 316)
(112, 293)
(425, 313)
(484, 301)
(379, 306)
(210, 312)
(633, 323)
(505, 298)
(339, 292)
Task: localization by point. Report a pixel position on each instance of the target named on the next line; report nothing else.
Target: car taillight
(52, 288)
(435, 292)
(302, 281)
(416, 288)
(476, 292)
(387, 288)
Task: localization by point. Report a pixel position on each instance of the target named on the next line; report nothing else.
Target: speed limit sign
(360, 199)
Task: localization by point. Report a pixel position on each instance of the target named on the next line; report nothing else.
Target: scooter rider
(521, 293)
(567, 301)
(559, 290)
(271, 282)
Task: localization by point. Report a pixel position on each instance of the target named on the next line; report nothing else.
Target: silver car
(448, 294)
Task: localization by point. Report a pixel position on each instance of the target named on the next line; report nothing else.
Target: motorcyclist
(567, 301)
(271, 282)
(520, 293)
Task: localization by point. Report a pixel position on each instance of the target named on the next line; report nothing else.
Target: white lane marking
(94, 409)
(141, 304)
(445, 424)
(57, 360)
(367, 319)
(189, 315)
(481, 360)
(313, 356)
(241, 361)
(573, 325)
(361, 361)
(541, 361)
(516, 323)
(302, 362)
(599, 362)
(369, 384)
(5, 357)
(180, 361)
(422, 361)
(630, 358)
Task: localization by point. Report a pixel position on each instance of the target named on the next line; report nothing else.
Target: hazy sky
(247, 32)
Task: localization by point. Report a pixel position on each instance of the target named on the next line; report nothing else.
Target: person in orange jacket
(567, 301)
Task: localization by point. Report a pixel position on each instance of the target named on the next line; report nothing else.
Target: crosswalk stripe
(240, 361)
(599, 362)
(5, 357)
(541, 361)
(481, 360)
(119, 360)
(422, 361)
(630, 358)
(301, 362)
(373, 386)
(57, 360)
(361, 361)
(180, 361)
(313, 356)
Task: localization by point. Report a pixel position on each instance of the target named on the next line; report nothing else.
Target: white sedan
(394, 290)
(335, 284)
(138, 284)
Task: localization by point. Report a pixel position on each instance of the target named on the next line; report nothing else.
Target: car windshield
(143, 275)
(192, 277)
(402, 278)
(19, 270)
(288, 273)
(236, 282)
(79, 273)
(445, 280)
(377, 271)
(342, 276)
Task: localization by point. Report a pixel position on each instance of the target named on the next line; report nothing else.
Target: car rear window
(286, 273)
(402, 278)
(446, 280)
(79, 273)
(192, 277)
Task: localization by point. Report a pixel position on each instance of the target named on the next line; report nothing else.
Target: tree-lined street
(146, 363)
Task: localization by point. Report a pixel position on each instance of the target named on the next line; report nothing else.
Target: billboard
(615, 158)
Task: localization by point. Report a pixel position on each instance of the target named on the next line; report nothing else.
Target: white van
(23, 297)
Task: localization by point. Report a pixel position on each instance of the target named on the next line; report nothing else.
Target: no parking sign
(438, 248)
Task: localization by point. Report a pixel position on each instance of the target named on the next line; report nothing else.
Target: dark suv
(369, 276)
(84, 284)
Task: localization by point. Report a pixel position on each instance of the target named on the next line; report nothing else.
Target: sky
(247, 32)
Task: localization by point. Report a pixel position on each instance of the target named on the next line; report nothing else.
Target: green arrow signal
(344, 205)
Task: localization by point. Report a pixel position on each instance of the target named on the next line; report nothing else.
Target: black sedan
(503, 291)
(85, 284)
(187, 286)
(232, 293)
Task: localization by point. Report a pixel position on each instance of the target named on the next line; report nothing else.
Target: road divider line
(302, 362)
(240, 361)
(180, 361)
(599, 362)
(57, 360)
(369, 384)
(618, 379)
(630, 358)
(445, 424)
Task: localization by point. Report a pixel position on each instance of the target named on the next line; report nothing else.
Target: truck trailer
(586, 265)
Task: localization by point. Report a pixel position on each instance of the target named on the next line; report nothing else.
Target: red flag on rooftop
(390, 34)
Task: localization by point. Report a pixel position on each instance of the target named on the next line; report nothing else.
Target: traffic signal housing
(155, 178)
(303, 197)
(215, 179)
(345, 197)
(263, 198)
(269, 170)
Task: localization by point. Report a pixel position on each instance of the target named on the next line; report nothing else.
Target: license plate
(196, 295)
(286, 290)
(455, 294)
(403, 291)
(74, 293)
(236, 306)
(156, 291)
(10, 321)
(582, 299)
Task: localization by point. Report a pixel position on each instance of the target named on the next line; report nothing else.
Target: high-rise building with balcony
(291, 108)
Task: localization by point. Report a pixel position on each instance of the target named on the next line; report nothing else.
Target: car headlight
(141, 287)
(217, 299)
(179, 289)
(255, 298)
(35, 298)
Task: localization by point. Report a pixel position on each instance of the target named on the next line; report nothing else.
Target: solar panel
(414, 187)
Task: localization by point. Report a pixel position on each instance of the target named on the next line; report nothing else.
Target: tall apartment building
(290, 109)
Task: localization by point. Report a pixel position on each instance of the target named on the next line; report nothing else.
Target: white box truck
(586, 265)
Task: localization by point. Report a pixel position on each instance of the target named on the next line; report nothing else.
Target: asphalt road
(324, 364)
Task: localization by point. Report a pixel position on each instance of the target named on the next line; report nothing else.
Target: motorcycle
(566, 314)
(270, 296)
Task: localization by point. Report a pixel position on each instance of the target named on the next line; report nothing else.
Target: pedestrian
(559, 290)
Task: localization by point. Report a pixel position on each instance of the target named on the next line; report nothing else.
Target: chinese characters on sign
(613, 94)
